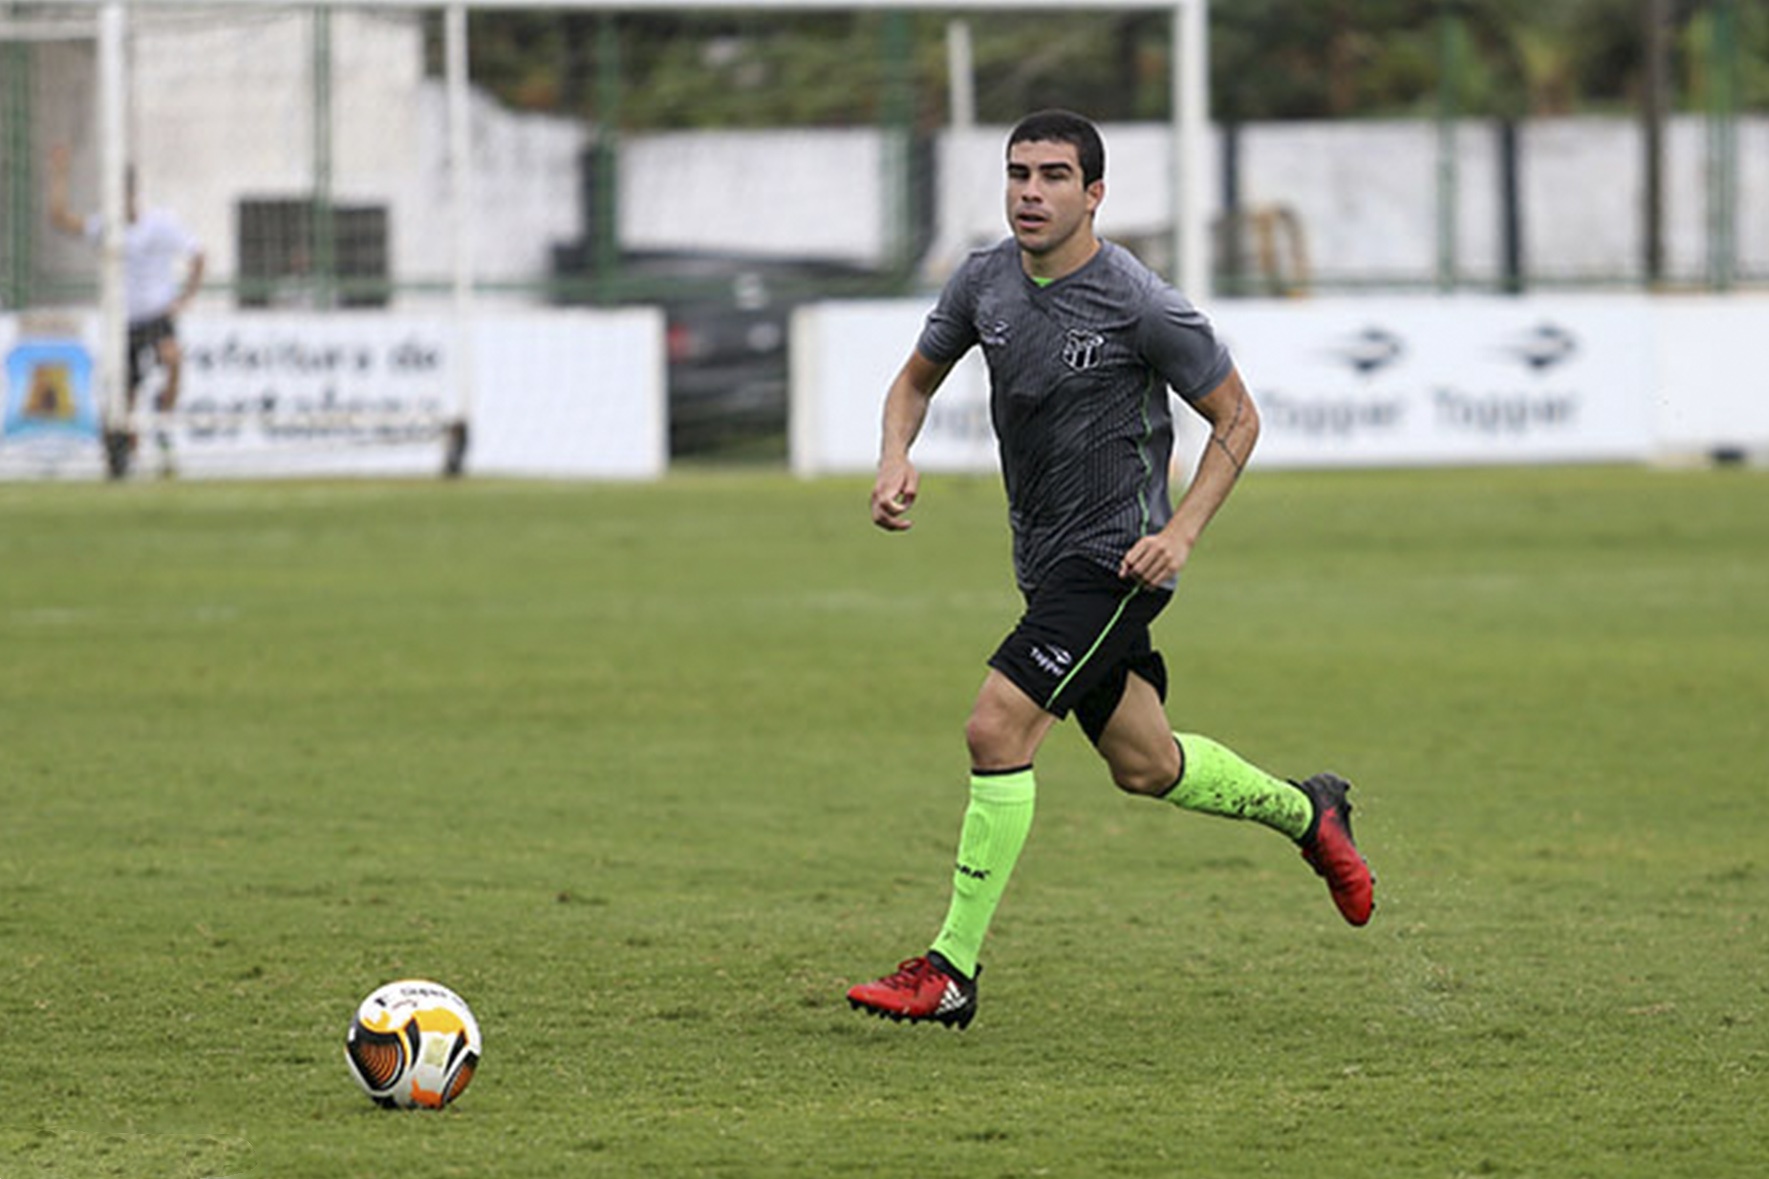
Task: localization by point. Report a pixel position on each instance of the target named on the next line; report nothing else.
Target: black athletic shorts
(144, 345)
(1084, 629)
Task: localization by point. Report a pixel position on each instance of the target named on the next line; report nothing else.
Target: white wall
(816, 193)
(1365, 193)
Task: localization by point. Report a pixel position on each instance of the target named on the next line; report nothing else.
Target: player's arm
(1234, 430)
(61, 214)
(193, 281)
(905, 409)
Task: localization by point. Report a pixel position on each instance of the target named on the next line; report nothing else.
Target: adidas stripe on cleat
(922, 989)
(1331, 851)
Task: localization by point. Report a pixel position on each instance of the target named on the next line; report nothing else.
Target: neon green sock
(995, 826)
(1217, 781)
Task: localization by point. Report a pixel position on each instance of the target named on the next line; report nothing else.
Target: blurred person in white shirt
(162, 272)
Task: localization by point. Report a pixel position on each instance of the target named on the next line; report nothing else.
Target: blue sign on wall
(49, 391)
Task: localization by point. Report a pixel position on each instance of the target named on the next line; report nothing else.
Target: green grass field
(651, 774)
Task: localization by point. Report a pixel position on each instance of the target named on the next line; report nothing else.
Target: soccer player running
(156, 246)
(1082, 343)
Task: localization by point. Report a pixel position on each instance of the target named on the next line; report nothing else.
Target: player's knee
(984, 736)
(997, 736)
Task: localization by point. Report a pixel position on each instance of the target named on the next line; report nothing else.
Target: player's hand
(893, 494)
(1154, 560)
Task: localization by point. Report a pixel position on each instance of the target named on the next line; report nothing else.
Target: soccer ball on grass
(413, 1044)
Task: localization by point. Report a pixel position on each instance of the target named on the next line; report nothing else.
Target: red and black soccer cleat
(921, 989)
(1330, 850)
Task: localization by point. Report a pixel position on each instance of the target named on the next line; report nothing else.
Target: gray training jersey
(1078, 378)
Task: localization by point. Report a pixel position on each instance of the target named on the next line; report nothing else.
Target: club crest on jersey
(1082, 348)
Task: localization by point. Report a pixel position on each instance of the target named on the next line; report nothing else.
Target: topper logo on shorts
(1056, 661)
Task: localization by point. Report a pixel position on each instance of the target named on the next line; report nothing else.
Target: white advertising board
(553, 393)
(1339, 382)
(571, 394)
(312, 393)
(1711, 389)
(844, 356)
(1396, 382)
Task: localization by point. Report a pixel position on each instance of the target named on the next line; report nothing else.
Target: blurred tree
(1270, 59)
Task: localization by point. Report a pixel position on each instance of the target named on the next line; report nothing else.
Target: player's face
(1048, 206)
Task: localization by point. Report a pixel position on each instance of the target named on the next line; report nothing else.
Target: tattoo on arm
(1220, 437)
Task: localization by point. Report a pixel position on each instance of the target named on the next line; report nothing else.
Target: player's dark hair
(1056, 126)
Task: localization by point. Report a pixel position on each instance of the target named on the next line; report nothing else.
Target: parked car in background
(728, 326)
